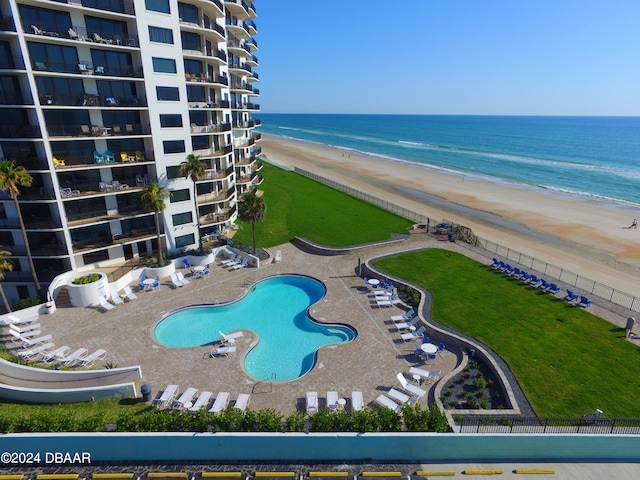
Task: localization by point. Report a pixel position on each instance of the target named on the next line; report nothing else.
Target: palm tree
(252, 209)
(194, 170)
(5, 266)
(153, 200)
(13, 176)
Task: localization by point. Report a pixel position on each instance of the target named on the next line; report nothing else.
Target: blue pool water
(275, 309)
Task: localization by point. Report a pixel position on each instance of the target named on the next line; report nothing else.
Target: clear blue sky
(517, 57)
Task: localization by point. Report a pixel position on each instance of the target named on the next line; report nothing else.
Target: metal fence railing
(532, 425)
(594, 288)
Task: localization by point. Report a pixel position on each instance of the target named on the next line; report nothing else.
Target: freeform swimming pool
(276, 310)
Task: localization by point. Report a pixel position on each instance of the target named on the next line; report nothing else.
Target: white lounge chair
(20, 321)
(398, 395)
(115, 296)
(223, 351)
(24, 328)
(383, 303)
(230, 337)
(23, 337)
(105, 304)
(70, 359)
(185, 398)
(278, 257)
(230, 261)
(434, 374)
(419, 371)
(407, 325)
(238, 266)
(202, 401)
(388, 403)
(174, 280)
(222, 400)
(242, 402)
(312, 402)
(37, 350)
(166, 397)
(30, 342)
(357, 403)
(412, 335)
(128, 293)
(408, 387)
(403, 318)
(59, 352)
(182, 279)
(332, 400)
(89, 360)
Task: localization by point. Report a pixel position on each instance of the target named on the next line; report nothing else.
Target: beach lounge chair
(571, 296)
(30, 342)
(553, 289)
(128, 293)
(222, 400)
(13, 320)
(403, 318)
(22, 337)
(585, 302)
(24, 328)
(238, 266)
(185, 398)
(230, 337)
(242, 402)
(70, 359)
(419, 371)
(37, 350)
(383, 303)
(408, 387)
(398, 395)
(52, 356)
(174, 280)
(115, 297)
(89, 360)
(332, 400)
(223, 351)
(278, 257)
(407, 325)
(182, 279)
(388, 403)
(357, 403)
(544, 284)
(411, 335)
(105, 304)
(312, 402)
(434, 374)
(201, 402)
(229, 260)
(166, 397)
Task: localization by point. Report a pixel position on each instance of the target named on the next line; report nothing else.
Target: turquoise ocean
(589, 157)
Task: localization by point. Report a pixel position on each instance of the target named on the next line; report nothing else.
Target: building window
(160, 35)
(185, 240)
(181, 218)
(173, 172)
(173, 146)
(164, 65)
(170, 120)
(169, 94)
(161, 6)
(179, 195)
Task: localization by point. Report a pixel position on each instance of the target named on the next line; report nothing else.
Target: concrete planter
(87, 295)
(162, 272)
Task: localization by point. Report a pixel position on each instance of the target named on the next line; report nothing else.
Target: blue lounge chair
(186, 263)
(525, 277)
(584, 302)
(496, 263)
(517, 272)
(544, 284)
(553, 289)
(570, 297)
(534, 281)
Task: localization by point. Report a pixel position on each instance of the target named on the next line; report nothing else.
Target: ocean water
(595, 157)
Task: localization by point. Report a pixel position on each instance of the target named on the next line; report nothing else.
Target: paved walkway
(368, 364)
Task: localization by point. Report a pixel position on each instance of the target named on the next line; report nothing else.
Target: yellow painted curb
(58, 476)
(275, 474)
(435, 473)
(328, 474)
(16, 476)
(482, 472)
(167, 475)
(221, 474)
(548, 471)
(381, 474)
(110, 475)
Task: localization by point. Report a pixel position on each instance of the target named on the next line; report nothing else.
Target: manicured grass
(298, 206)
(568, 361)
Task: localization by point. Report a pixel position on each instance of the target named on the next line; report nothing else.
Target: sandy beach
(587, 237)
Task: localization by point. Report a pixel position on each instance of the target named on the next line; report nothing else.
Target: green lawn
(568, 361)
(298, 206)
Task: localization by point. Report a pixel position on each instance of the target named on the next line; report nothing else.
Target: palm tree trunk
(160, 259)
(253, 231)
(4, 300)
(195, 201)
(26, 244)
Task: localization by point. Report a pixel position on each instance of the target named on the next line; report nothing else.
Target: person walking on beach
(634, 224)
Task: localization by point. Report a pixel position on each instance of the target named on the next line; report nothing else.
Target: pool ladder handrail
(269, 380)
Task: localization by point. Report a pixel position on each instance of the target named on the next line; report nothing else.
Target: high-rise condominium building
(99, 98)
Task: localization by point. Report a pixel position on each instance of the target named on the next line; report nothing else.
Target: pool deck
(368, 364)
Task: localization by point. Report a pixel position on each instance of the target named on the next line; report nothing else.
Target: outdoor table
(148, 282)
(374, 282)
(418, 379)
(199, 269)
(429, 348)
(342, 402)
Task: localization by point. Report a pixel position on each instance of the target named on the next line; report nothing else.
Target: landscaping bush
(26, 303)
(86, 279)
